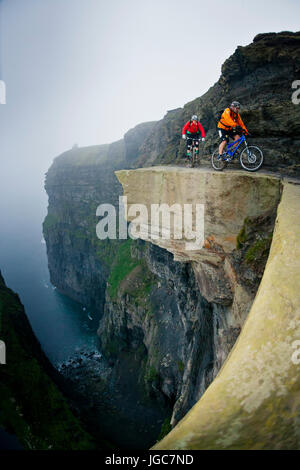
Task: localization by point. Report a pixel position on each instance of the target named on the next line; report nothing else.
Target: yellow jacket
(229, 119)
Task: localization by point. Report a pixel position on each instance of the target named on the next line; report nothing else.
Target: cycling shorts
(225, 134)
(190, 137)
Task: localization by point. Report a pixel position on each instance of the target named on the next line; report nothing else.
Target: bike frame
(255, 155)
(194, 149)
(239, 141)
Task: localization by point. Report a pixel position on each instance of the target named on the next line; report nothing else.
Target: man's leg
(235, 137)
(197, 144)
(188, 146)
(224, 136)
(222, 147)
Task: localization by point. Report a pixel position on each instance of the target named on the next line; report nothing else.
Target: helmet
(194, 117)
(236, 104)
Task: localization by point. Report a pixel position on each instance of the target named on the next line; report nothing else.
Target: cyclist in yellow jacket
(230, 125)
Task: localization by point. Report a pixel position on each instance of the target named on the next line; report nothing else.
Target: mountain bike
(251, 157)
(193, 157)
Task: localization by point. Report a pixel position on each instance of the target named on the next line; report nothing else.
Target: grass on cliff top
(79, 156)
(32, 407)
(105, 154)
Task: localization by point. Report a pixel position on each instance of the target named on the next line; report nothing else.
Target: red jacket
(193, 128)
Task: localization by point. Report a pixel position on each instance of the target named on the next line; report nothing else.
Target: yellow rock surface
(228, 198)
(254, 402)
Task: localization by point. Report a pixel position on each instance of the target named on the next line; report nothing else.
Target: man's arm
(185, 127)
(241, 123)
(201, 130)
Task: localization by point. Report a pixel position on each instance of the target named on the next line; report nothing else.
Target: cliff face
(260, 76)
(178, 317)
(31, 406)
(77, 182)
(196, 308)
(169, 315)
(158, 315)
(254, 403)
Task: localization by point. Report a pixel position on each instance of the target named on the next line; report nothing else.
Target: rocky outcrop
(254, 402)
(77, 182)
(159, 318)
(32, 407)
(202, 301)
(260, 76)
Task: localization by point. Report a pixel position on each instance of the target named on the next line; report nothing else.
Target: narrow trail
(261, 172)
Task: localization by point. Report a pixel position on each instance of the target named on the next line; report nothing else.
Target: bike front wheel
(194, 156)
(251, 158)
(217, 162)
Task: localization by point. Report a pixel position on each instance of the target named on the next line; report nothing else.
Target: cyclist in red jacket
(192, 129)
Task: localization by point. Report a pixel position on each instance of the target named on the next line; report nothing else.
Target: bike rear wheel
(251, 158)
(217, 162)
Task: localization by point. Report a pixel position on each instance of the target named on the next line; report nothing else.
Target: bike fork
(248, 151)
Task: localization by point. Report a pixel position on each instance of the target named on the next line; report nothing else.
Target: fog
(86, 71)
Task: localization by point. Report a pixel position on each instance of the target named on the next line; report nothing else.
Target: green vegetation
(107, 250)
(139, 285)
(165, 429)
(50, 221)
(242, 236)
(180, 367)
(131, 276)
(123, 265)
(258, 250)
(84, 156)
(93, 155)
(133, 279)
(32, 407)
(255, 241)
(151, 374)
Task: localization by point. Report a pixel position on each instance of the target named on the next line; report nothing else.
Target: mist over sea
(62, 326)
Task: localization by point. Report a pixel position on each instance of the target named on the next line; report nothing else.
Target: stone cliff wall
(32, 408)
(77, 182)
(254, 402)
(201, 298)
(158, 315)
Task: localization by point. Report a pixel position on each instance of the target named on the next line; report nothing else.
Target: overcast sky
(86, 71)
